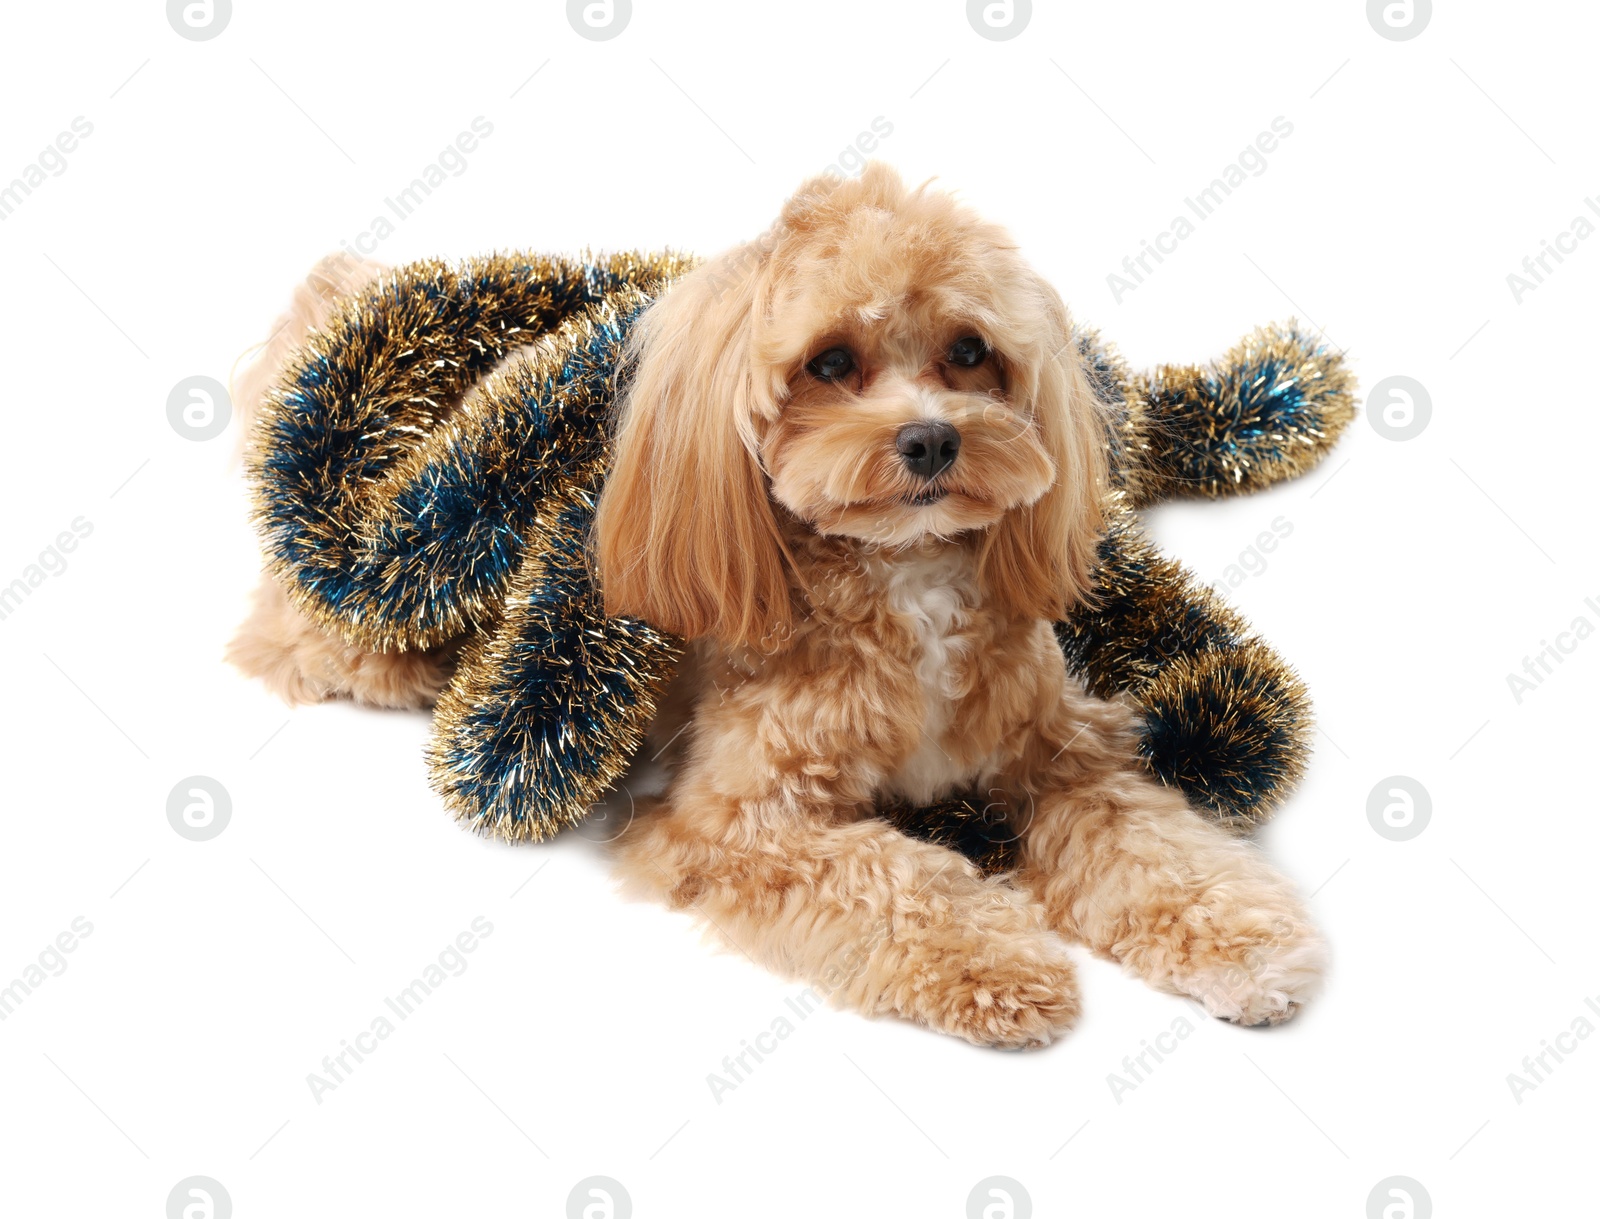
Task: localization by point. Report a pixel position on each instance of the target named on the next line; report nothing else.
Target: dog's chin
(932, 513)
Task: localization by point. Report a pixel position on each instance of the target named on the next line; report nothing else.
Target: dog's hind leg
(302, 662)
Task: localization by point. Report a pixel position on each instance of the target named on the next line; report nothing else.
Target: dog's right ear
(685, 536)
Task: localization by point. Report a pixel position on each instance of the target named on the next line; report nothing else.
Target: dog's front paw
(988, 971)
(1250, 964)
(1007, 1003)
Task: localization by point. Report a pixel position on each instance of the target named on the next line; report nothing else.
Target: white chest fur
(931, 594)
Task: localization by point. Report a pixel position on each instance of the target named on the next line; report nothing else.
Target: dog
(858, 465)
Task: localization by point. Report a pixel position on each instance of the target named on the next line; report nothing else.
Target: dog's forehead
(883, 285)
(894, 250)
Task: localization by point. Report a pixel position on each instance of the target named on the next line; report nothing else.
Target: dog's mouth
(925, 497)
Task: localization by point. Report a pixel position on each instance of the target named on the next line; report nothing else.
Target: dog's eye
(969, 352)
(832, 364)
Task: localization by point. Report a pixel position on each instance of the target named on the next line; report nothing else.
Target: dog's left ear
(1039, 559)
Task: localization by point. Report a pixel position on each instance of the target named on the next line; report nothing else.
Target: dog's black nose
(927, 446)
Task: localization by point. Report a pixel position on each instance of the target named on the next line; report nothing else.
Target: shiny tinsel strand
(1266, 412)
(547, 708)
(396, 470)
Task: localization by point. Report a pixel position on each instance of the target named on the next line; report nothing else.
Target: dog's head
(882, 365)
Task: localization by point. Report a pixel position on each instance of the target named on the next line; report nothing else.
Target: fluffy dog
(859, 465)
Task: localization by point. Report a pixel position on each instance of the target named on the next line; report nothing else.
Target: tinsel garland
(394, 487)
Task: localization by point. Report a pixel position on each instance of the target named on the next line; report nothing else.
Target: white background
(1417, 576)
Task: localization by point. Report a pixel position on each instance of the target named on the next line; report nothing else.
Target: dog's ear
(685, 536)
(1038, 560)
